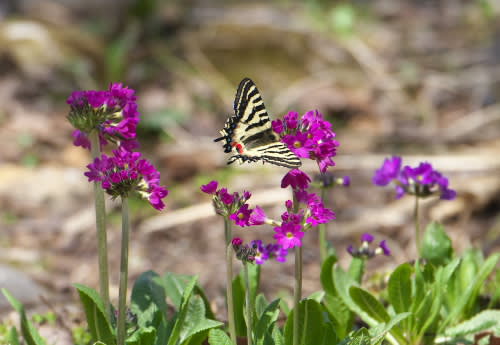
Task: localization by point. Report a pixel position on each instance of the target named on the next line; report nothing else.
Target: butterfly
(249, 134)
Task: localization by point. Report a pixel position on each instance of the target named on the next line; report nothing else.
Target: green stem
(228, 233)
(229, 291)
(297, 291)
(122, 293)
(249, 306)
(417, 226)
(100, 218)
(323, 242)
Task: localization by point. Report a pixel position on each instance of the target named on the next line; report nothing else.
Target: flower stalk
(248, 304)
(416, 216)
(323, 242)
(122, 294)
(297, 291)
(229, 288)
(100, 217)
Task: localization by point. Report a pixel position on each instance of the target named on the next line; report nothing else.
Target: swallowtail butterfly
(248, 133)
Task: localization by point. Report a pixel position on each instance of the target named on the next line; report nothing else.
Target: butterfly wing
(249, 132)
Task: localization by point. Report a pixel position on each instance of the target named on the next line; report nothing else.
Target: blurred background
(420, 79)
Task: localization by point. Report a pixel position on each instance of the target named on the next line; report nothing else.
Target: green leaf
(218, 337)
(483, 321)
(369, 304)
(436, 245)
(326, 276)
(359, 337)
(260, 305)
(357, 269)
(175, 284)
(143, 336)
(341, 316)
(399, 291)
(148, 303)
(311, 324)
(12, 336)
(317, 296)
(195, 320)
(97, 317)
(181, 315)
(471, 291)
(277, 336)
(254, 280)
(29, 332)
(379, 335)
(266, 322)
(239, 303)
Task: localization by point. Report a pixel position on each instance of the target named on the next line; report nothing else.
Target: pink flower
(289, 235)
(210, 188)
(242, 216)
(296, 178)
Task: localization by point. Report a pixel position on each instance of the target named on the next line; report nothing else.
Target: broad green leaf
(482, 321)
(359, 337)
(311, 324)
(29, 332)
(357, 269)
(399, 290)
(219, 337)
(148, 303)
(384, 329)
(97, 318)
(195, 320)
(471, 291)
(341, 316)
(326, 276)
(369, 304)
(343, 282)
(329, 336)
(181, 315)
(254, 280)
(143, 336)
(260, 305)
(266, 322)
(239, 306)
(174, 285)
(317, 296)
(436, 245)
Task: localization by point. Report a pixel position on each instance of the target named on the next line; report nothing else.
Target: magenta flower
(258, 216)
(126, 172)
(289, 235)
(319, 214)
(296, 178)
(309, 137)
(210, 188)
(225, 196)
(242, 216)
(113, 113)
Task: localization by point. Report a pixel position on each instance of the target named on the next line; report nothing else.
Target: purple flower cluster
(306, 211)
(112, 112)
(308, 137)
(264, 252)
(125, 172)
(421, 181)
(231, 205)
(364, 251)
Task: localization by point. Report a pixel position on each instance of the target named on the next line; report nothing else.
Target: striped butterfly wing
(249, 133)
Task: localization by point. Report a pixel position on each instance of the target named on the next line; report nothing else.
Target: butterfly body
(249, 134)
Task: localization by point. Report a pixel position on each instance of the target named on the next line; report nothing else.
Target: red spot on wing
(238, 147)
